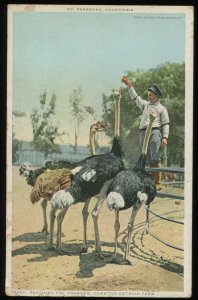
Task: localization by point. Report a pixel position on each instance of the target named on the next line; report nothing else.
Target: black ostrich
(131, 188)
(91, 179)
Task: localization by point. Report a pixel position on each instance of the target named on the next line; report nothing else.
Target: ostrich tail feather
(141, 163)
(34, 196)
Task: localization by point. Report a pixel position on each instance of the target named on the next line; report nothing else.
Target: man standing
(160, 127)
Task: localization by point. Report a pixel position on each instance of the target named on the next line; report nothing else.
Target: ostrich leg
(95, 213)
(52, 219)
(135, 210)
(60, 218)
(44, 208)
(117, 228)
(85, 214)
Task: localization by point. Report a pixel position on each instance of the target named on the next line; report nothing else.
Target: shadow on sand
(91, 260)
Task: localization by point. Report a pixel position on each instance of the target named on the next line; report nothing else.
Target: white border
(189, 14)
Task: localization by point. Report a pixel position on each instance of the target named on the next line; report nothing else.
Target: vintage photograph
(99, 151)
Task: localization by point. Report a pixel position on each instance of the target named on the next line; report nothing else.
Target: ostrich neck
(92, 142)
(147, 136)
(117, 118)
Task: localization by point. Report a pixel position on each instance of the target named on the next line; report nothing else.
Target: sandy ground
(157, 268)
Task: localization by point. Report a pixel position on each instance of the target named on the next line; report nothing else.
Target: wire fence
(37, 158)
(167, 196)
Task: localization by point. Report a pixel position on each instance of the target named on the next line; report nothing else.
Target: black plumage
(106, 166)
(131, 188)
(129, 182)
(87, 182)
(91, 178)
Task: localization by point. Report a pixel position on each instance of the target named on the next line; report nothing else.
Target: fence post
(147, 219)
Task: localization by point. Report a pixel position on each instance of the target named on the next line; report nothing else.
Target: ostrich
(91, 179)
(131, 188)
(32, 175)
(54, 176)
(25, 169)
(31, 179)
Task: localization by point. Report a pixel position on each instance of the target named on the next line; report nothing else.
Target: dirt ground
(157, 268)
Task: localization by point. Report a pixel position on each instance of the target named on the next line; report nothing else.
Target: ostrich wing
(103, 168)
(50, 182)
(50, 165)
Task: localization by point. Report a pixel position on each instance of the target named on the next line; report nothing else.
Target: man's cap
(155, 89)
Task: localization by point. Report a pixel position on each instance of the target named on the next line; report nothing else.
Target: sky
(60, 51)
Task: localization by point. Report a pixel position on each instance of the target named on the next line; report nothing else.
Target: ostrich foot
(45, 231)
(61, 251)
(129, 260)
(84, 248)
(102, 254)
(115, 260)
(51, 247)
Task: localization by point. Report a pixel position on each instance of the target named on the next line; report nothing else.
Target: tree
(18, 114)
(171, 79)
(44, 132)
(16, 144)
(79, 113)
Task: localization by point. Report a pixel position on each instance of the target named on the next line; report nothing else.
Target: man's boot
(157, 176)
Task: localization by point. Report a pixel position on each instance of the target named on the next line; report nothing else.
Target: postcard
(99, 151)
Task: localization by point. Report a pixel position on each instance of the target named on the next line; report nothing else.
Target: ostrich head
(116, 93)
(96, 127)
(115, 201)
(147, 193)
(25, 169)
(151, 191)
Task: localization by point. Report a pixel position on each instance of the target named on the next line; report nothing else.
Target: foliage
(44, 131)
(18, 114)
(79, 113)
(171, 79)
(16, 144)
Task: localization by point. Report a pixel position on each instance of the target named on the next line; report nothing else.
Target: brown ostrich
(53, 180)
